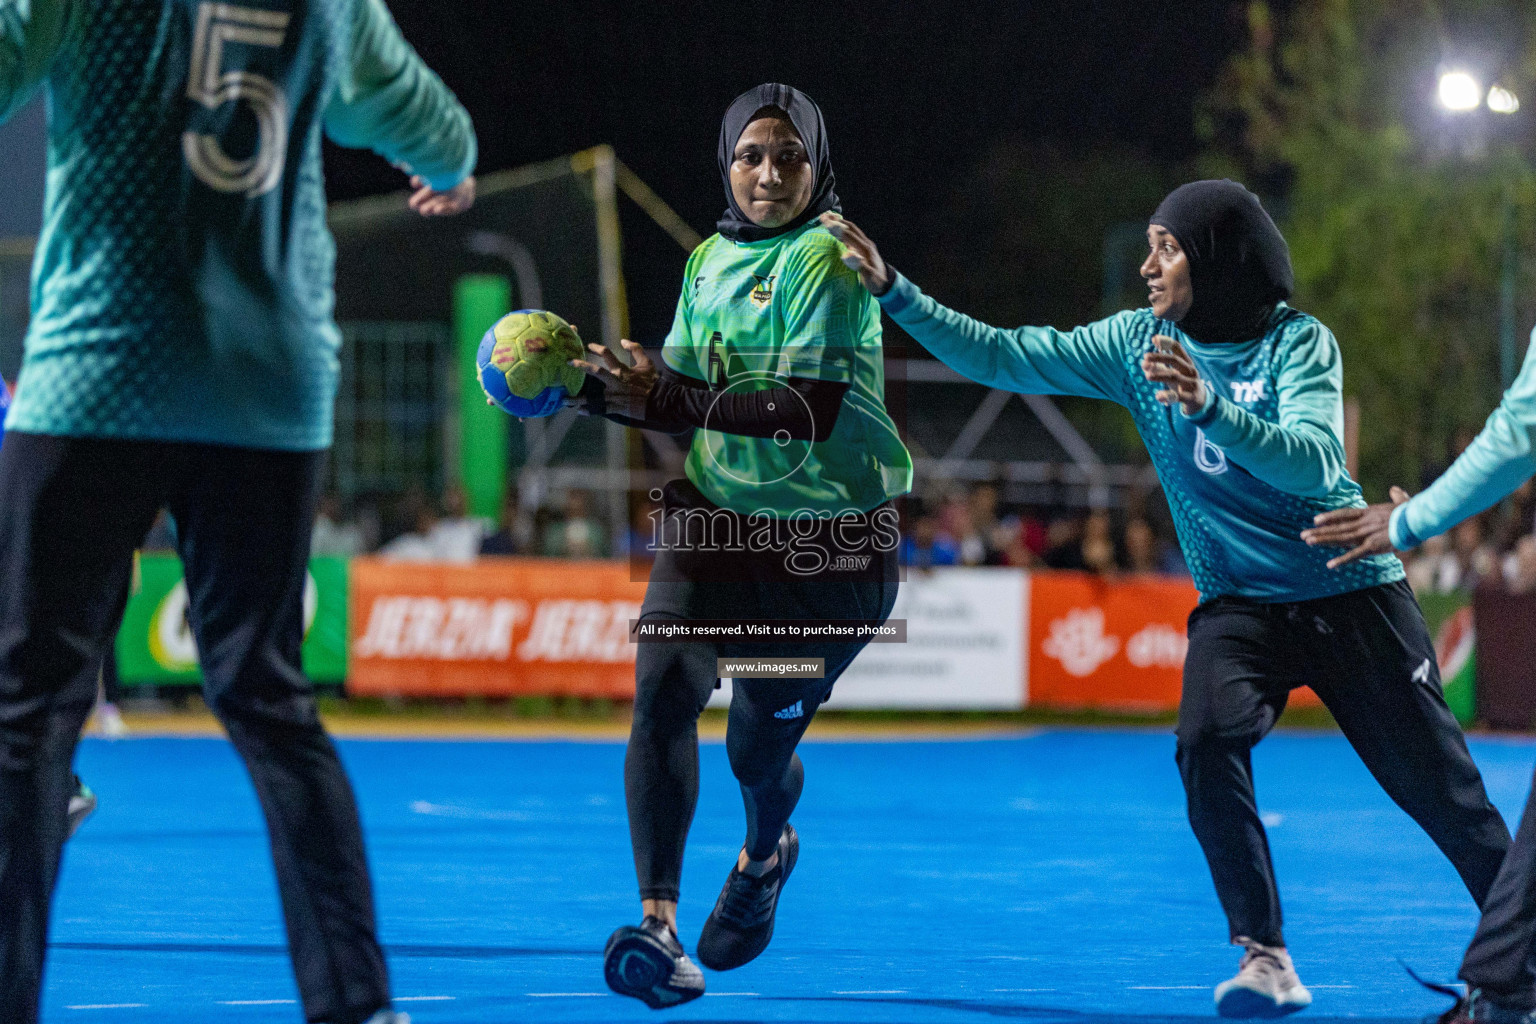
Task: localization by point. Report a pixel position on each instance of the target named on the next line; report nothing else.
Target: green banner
(155, 643)
(1449, 617)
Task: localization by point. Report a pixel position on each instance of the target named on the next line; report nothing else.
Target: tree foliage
(1394, 209)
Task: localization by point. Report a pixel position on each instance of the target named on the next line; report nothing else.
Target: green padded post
(479, 300)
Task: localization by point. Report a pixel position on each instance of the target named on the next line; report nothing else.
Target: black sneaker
(1475, 1008)
(649, 963)
(741, 924)
(1472, 1008)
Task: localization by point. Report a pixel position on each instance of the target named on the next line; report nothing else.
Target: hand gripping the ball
(626, 388)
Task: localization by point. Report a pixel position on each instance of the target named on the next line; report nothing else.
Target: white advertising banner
(966, 632)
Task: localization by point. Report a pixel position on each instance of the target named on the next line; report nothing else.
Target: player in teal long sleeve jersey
(1500, 964)
(181, 353)
(1238, 398)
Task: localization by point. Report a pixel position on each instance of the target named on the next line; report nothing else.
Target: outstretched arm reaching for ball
(1088, 361)
(1302, 454)
(862, 256)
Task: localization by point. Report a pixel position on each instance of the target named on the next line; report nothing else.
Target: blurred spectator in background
(333, 536)
(415, 544)
(1007, 544)
(1032, 527)
(1008, 548)
(1141, 547)
(576, 534)
(958, 521)
(1064, 544)
(925, 544)
(1425, 565)
(508, 538)
(457, 535)
(1099, 544)
(1473, 558)
(1516, 518)
(1520, 567)
(985, 524)
(640, 538)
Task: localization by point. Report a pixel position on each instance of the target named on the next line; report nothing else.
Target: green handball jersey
(753, 314)
(182, 288)
(1244, 475)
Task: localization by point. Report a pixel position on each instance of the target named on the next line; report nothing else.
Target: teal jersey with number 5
(182, 288)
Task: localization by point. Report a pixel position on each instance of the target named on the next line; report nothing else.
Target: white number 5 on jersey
(218, 24)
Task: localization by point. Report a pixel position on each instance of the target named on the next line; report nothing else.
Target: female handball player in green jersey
(785, 514)
(1239, 400)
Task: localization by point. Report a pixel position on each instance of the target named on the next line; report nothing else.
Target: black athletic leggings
(673, 683)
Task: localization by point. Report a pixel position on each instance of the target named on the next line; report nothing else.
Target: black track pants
(1500, 959)
(71, 513)
(1368, 656)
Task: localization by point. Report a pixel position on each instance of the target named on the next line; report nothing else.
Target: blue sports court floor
(1048, 878)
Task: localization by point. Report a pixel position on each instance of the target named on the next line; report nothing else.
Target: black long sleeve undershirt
(803, 409)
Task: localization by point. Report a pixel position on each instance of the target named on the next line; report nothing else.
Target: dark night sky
(912, 93)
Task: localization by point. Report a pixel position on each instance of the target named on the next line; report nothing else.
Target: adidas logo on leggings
(795, 710)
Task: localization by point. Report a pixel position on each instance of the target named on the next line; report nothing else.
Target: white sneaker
(1266, 984)
(109, 721)
(389, 1017)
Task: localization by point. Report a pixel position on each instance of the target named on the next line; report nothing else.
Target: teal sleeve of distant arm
(389, 101)
(31, 32)
(1497, 461)
(1303, 453)
(1088, 361)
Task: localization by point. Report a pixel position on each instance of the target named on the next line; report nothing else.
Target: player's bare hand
(626, 388)
(861, 255)
(1172, 367)
(1364, 531)
(429, 202)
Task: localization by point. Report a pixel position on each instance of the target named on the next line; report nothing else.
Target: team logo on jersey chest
(1248, 390)
(763, 293)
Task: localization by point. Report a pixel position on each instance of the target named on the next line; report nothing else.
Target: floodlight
(1459, 91)
(1502, 101)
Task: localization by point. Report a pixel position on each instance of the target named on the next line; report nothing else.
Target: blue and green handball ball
(524, 363)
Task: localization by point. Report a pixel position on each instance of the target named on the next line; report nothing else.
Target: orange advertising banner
(1111, 644)
(499, 627)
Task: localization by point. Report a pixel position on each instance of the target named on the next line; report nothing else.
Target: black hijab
(1239, 264)
(805, 115)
